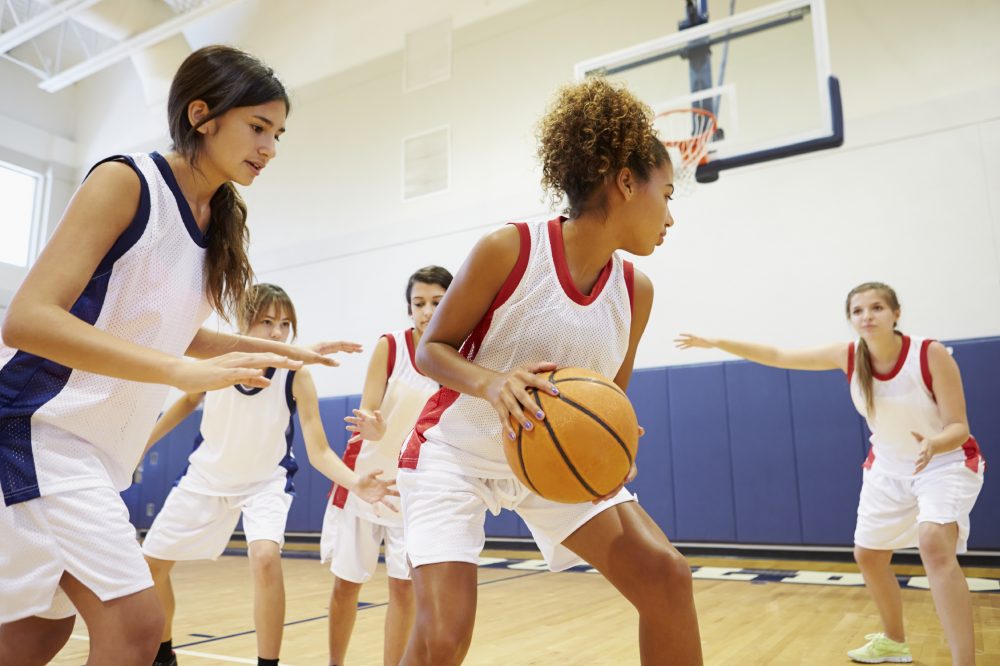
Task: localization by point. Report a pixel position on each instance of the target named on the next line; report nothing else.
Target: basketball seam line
(600, 421)
(610, 385)
(520, 454)
(562, 453)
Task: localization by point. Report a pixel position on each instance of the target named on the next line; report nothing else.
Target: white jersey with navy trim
(406, 393)
(245, 440)
(538, 315)
(64, 429)
(904, 404)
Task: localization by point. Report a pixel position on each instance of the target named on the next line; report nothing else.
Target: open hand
(687, 341)
(368, 426)
(374, 490)
(228, 369)
(926, 452)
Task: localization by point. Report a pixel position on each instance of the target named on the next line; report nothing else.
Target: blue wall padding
(765, 483)
(734, 452)
(702, 464)
(648, 393)
(829, 450)
(979, 362)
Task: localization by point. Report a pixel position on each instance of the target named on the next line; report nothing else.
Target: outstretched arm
(322, 457)
(830, 357)
(208, 344)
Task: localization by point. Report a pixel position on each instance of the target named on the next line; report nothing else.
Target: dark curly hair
(592, 131)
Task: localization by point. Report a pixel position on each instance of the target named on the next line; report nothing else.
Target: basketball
(584, 447)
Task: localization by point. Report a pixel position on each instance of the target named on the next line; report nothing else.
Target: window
(19, 190)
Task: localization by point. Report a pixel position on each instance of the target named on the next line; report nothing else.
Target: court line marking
(194, 653)
(361, 607)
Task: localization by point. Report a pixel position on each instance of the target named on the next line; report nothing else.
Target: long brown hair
(224, 78)
(258, 298)
(863, 357)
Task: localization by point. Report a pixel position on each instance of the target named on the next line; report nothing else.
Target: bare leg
(881, 582)
(398, 620)
(634, 554)
(268, 597)
(33, 641)
(446, 614)
(949, 589)
(343, 612)
(124, 631)
(160, 570)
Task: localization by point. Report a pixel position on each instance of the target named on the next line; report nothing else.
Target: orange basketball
(584, 447)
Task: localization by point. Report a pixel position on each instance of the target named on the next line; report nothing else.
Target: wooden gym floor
(530, 616)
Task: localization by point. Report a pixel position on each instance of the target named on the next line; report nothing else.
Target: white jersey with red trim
(67, 429)
(538, 315)
(245, 439)
(406, 393)
(904, 404)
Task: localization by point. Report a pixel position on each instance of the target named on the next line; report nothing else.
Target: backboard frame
(830, 134)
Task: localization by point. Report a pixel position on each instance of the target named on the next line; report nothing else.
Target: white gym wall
(768, 252)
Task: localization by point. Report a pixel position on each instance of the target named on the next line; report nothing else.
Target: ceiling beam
(41, 22)
(125, 49)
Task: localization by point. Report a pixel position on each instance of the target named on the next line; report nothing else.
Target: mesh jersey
(904, 404)
(406, 393)
(538, 315)
(245, 439)
(64, 429)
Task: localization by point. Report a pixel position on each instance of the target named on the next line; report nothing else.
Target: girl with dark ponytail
(923, 472)
(94, 337)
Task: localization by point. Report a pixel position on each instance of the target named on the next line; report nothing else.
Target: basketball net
(686, 134)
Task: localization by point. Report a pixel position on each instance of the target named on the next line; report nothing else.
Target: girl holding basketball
(148, 247)
(923, 473)
(530, 298)
(243, 464)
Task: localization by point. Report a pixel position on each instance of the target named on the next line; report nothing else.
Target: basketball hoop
(686, 134)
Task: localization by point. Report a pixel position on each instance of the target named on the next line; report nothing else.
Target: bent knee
(444, 645)
(664, 574)
(139, 633)
(937, 553)
(345, 590)
(267, 563)
(867, 557)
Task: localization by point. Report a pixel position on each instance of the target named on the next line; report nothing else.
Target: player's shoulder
(505, 240)
(114, 177)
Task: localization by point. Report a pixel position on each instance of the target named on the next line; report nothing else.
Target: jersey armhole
(390, 363)
(925, 367)
(133, 232)
(850, 361)
(521, 265)
(629, 270)
(289, 391)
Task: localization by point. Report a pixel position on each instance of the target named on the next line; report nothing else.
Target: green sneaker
(880, 649)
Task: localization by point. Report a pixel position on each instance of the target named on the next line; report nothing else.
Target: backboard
(765, 74)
